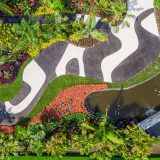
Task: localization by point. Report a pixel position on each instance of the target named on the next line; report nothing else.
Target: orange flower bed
(7, 129)
(69, 101)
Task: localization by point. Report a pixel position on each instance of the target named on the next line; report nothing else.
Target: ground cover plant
(57, 137)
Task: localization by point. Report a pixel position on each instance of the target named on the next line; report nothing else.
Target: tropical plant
(31, 138)
(8, 145)
(7, 74)
(5, 8)
(87, 30)
(24, 5)
(103, 141)
(114, 9)
(29, 35)
(57, 5)
(57, 145)
(36, 131)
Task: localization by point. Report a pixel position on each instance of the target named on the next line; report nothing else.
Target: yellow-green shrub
(44, 10)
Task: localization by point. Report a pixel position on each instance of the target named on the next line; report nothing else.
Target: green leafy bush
(5, 8)
(157, 4)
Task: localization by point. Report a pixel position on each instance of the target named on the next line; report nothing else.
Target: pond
(132, 104)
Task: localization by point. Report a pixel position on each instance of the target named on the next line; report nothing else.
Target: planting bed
(67, 102)
(90, 6)
(19, 7)
(9, 71)
(87, 42)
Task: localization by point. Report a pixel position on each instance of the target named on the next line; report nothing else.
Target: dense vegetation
(33, 36)
(90, 136)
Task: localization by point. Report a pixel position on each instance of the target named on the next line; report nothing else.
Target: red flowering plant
(67, 102)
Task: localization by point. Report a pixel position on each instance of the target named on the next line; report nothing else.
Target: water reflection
(134, 104)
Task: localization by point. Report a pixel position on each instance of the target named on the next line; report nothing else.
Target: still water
(137, 102)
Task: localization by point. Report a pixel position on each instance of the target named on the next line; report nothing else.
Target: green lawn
(9, 91)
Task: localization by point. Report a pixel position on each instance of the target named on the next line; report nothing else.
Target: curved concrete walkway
(128, 37)
(35, 77)
(148, 50)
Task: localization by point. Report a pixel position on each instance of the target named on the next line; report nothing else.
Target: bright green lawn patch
(56, 86)
(9, 91)
(142, 76)
(157, 4)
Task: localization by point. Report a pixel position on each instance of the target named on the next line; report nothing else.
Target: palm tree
(5, 8)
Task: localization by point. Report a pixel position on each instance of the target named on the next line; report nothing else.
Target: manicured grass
(9, 91)
(157, 4)
(56, 86)
(142, 76)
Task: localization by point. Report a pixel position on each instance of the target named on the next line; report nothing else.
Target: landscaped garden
(60, 123)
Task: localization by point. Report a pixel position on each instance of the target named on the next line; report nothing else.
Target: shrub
(157, 4)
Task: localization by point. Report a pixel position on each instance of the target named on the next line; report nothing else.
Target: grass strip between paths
(142, 76)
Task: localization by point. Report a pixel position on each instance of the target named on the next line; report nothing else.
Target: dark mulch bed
(86, 42)
(8, 72)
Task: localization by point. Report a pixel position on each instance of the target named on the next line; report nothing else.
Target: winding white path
(34, 76)
(71, 52)
(150, 24)
(128, 36)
